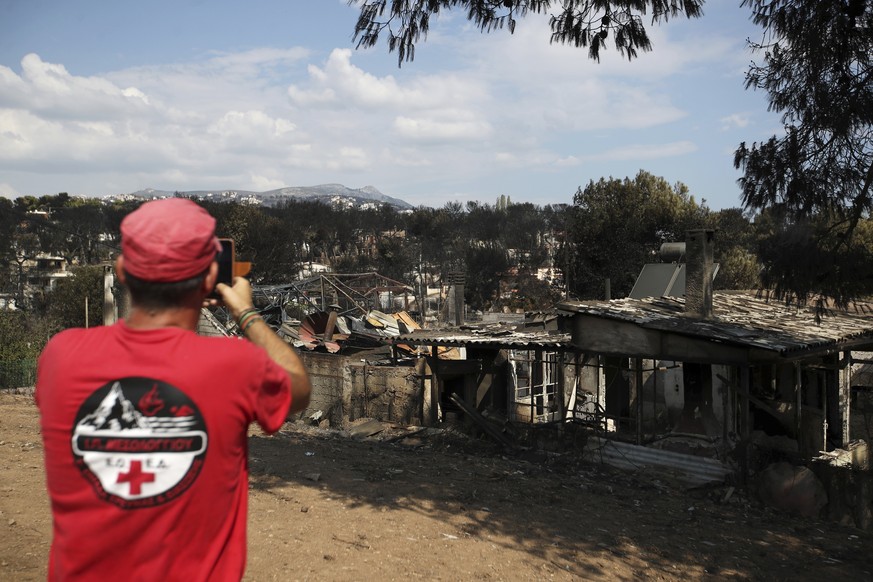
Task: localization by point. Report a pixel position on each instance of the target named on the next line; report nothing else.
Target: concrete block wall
(387, 393)
(346, 389)
(326, 373)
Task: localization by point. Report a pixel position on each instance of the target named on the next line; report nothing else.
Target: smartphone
(225, 263)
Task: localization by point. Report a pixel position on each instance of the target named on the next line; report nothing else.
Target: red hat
(168, 240)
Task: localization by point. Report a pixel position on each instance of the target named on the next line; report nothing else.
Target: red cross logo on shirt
(136, 477)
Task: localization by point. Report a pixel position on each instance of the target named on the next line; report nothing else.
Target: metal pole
(745, 429)
(422, 289)
(824, 410)
(638, 373)
(799, 393)
(323, 298)
(562, 407)
(724, 413)
(845, 378)
(654, 397)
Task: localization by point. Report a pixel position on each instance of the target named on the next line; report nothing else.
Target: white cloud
(51, 91)
(569, 161)
(226, 113)
(8, 191)
(304, 98)
(253, 62)
(404, 157)
(58, 122)
(647, 152)
(631, 152)
(353, 157)
(341, 82)
(263, 183)
(245, 131)
(734, 121)
(423, 129)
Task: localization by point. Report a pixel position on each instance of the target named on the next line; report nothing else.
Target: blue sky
(101, 97)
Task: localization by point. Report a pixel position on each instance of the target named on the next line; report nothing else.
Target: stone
(792, 489)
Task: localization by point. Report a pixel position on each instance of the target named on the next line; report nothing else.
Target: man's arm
(239, 299)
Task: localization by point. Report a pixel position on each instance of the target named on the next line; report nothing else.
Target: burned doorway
(697, 414)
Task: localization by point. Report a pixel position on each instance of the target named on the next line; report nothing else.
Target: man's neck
(146, 318)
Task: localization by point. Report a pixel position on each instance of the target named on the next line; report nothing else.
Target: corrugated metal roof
(741, 319)
(493, 336)
(690, 469)
(209, 326)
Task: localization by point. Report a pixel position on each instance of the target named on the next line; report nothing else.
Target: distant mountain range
(333, 194)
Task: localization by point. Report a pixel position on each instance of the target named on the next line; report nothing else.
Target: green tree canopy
(815, 179)
(259, 237)
(735, 250)
(617, 226)
(65, 305)
(581, 23)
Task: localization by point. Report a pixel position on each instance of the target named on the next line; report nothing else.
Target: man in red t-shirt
(145, 423)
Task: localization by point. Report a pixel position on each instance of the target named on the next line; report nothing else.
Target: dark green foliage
(815, 180)
(484, 268)
(22, 337)
(814, 259)
(736, 243)
(531, 294)
(523, 229)
(617, 226)
(76, 231)
(581, 23)
(72, 228)
(8, 223)
(260, 238)
(65, 305)
(394, 258)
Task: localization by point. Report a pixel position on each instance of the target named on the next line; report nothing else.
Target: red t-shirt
(145, 436)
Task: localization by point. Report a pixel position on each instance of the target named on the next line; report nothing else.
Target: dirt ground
(437, 506)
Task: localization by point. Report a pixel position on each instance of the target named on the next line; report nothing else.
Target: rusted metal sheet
(332, 331)
(406, 323)
(313, 332)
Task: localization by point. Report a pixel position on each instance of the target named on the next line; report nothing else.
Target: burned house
(709, 385)
(719, 383)
(722, 365)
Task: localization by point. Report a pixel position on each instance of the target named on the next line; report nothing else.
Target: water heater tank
(672, 252)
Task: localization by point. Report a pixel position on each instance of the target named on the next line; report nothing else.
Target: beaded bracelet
(246, 312)
(246, 317)
(250, 322)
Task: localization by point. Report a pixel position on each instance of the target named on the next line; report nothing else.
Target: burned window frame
(538, 384)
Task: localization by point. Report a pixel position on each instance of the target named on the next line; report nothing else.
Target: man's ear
(119, 270)
(211, 278)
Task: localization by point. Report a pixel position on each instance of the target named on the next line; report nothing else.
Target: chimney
(698, 276)
(455, 299)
